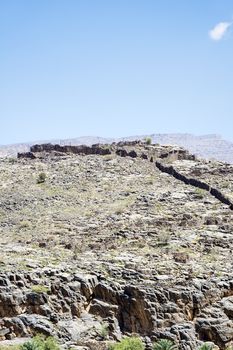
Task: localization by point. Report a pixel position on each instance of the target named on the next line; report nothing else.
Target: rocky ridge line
(205, 146)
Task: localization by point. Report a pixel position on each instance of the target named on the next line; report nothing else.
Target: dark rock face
(184, 314)
(132, 309)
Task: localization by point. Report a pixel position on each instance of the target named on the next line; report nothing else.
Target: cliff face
(117, 239)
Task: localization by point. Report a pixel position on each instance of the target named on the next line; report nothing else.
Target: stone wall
(194, 182)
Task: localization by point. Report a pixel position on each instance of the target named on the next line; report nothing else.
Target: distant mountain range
(206, 146)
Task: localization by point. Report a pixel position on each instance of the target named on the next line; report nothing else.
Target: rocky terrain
(206, 146)
(102, 241)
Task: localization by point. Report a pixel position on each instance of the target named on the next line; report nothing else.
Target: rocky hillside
(102, 241)
(206, 146)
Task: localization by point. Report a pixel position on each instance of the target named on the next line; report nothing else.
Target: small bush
(41, 178)
(24, 224)
(181, 257)
(206, 346)
(148, 140)
(51, 344)
(12, 160)
(30, 345)
(128, 344)
(103, 331)
(39, 288)
(39, 343)
(163, 238)
(164, 344)
(200, 193)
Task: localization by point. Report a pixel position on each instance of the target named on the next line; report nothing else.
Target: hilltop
(206, 146)
(108, 240)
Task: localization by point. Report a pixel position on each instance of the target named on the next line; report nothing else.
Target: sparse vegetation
(12, 160)
(41, 178)
(132, 343)
(24, 224)
(120, 206)
(103, 332)
(40, 343)
(181, 257)
(200, 193)
(164, 344)
(163, 238)
(206, 346)
(37, 343)
(148, 140)
(40, 289)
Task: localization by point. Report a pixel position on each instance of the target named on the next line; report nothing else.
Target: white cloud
(218, 32)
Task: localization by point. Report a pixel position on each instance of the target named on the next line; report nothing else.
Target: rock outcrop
(44, 300)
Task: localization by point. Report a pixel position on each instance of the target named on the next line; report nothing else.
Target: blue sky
(115, 68)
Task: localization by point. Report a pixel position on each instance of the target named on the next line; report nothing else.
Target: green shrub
(132, 343)
(200, 193)
(12, 160)
(40, 343)
(39, 288)
(31, 345)
(148, 140)
(164, 344)
(24, 224)
(41, 178)
(51, 344)
(103, 331)
(206, 346)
